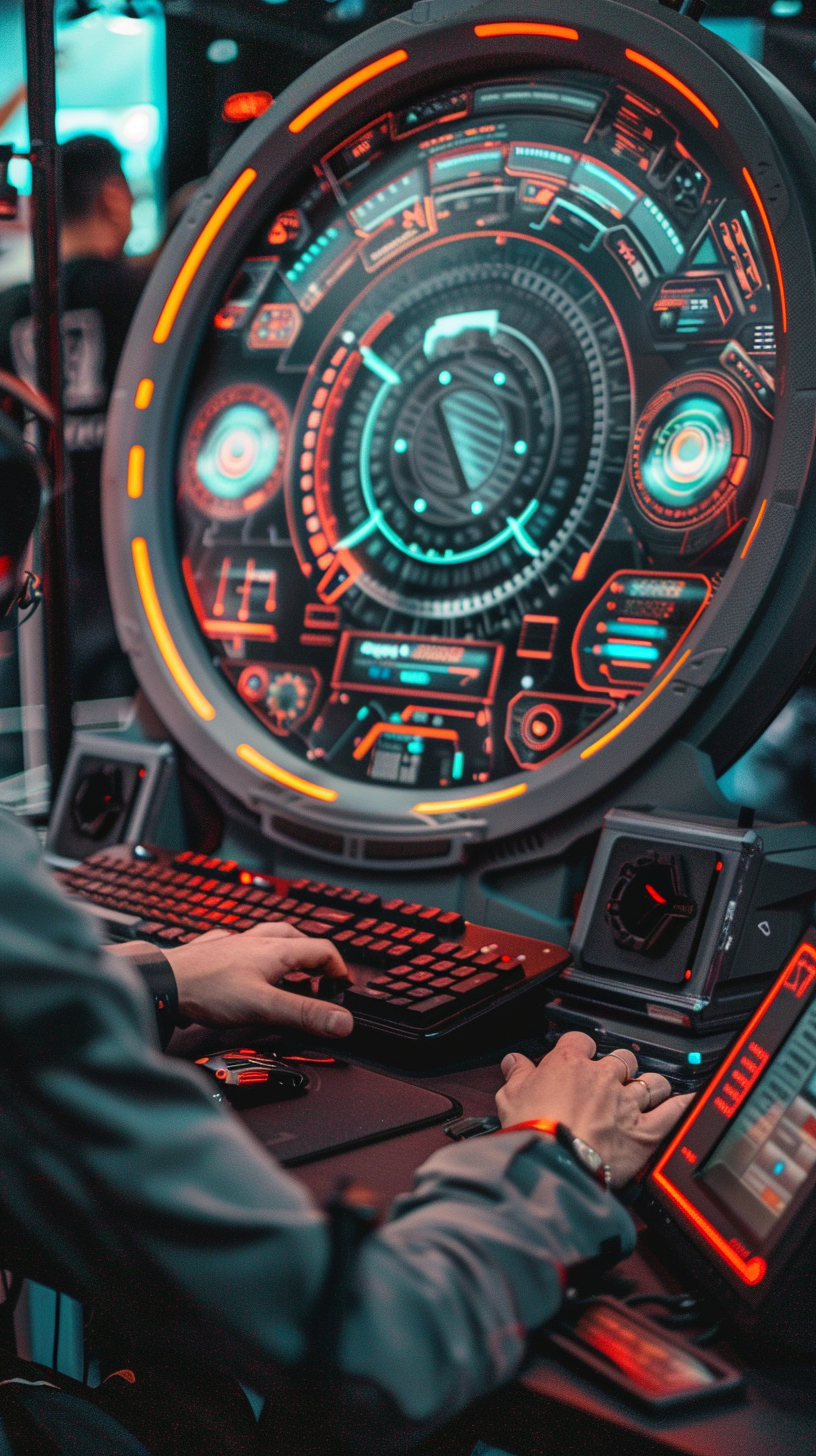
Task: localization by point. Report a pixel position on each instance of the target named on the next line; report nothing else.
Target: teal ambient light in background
(745, 33)
(111, 80)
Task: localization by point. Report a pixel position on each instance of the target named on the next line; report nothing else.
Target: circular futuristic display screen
(477, 429)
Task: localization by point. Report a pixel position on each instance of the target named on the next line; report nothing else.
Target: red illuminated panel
(799, 975)
(744, 1073)
(457, 670)
(727, 1092)
(633, 627)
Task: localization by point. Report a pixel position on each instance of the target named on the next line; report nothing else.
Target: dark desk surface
(551, 1410)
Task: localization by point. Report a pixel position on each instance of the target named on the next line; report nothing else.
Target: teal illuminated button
(689, 453)
(694, 1059)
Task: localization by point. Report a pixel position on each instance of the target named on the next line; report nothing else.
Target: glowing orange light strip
(582, 566)
(271, 770)
(481, 801)
(760, 206)
(674, 81)
(636, 712)
(757, 523)
(161, 632)
(144, 394)
(525, 27)
(260, 631)
(196, 255)
(135, 472)
(343, 88)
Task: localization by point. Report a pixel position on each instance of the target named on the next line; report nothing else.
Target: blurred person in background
(100, 291)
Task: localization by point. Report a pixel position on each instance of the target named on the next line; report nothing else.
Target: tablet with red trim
(738, 1179)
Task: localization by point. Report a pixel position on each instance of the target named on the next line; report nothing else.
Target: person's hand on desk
(231, 980)
(620, 1113)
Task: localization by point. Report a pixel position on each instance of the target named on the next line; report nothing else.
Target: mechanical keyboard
(418, 973)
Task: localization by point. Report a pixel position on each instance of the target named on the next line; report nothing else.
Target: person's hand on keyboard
(231, 980)
(624, 1116)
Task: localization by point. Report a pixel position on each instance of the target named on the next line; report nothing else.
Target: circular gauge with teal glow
(690, 454)
(232, 462)
(473, 436)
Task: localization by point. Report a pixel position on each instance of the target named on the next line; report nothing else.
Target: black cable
(57, 1315)
(11, 1291)
(681, 1310)
(681, 1302)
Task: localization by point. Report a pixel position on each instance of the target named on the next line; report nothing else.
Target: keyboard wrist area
(157, 974)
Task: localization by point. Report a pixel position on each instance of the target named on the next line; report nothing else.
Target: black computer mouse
(246, 1077)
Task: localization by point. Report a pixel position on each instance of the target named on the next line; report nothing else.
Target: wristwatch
(585, 1156)
(157, 974)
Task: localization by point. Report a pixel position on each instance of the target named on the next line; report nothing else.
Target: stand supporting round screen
(462, 440)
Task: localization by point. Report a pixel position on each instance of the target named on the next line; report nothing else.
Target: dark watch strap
(157, 973)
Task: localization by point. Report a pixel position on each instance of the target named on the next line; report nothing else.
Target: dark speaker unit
(683, 924)
(113, 791)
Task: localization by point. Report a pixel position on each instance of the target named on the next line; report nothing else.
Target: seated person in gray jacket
(125, 1184)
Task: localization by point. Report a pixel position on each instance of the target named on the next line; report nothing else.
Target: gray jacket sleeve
(124, 1183)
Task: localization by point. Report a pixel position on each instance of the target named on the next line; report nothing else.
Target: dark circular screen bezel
(439, 51)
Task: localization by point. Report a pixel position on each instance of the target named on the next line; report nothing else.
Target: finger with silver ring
(627, 1060)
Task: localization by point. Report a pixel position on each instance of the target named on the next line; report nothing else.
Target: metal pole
(45, 225)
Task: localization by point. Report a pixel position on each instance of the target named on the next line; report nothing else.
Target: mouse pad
(344, 1107)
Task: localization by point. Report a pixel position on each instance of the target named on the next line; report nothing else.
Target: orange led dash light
(757, 523)
(345, 87)
(246, 105)
(760, 206)
(525, 27)
(480, 801)
(404, 730)
(135, 471)
(674, 81)
(636, 712)
(750, 1270)
(197, 253)
(144, 394)
(161, 632)
(271, 770)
